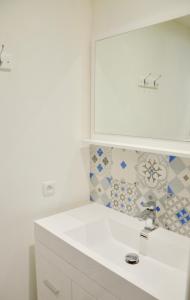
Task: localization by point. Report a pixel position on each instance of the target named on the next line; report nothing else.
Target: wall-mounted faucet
(149, 216)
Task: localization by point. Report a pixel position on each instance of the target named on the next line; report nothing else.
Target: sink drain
(132, 258)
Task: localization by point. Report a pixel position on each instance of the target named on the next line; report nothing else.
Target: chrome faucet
(149, 216)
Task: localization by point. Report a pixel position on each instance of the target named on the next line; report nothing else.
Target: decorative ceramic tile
(123, 164)
(179, 177)
(123, 196)
(124, 180)
(177, 215)
(100, 160)
(152, 170)
(177, 164)
(100, 189)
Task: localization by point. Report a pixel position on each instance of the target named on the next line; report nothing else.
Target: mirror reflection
(142, 82)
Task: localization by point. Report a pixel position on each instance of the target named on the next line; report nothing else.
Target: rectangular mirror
(142, 82)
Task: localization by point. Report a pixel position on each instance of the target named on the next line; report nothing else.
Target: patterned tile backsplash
(124, 180)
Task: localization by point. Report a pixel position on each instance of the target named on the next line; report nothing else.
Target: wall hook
(145, 79)
(155, 80)
(152, 83)
(1, 52)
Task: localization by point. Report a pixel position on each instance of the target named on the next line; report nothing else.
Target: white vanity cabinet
(80, 294)
(59, 280)
(52, 282)
(80, 255)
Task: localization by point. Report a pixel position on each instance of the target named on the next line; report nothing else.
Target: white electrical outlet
(48, 188)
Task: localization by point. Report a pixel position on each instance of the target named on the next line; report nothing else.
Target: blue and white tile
(123, 180)
(123, 164)
(177, 215)
(100, 161)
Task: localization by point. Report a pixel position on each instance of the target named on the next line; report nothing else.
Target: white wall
(44, 114)
(112, 16)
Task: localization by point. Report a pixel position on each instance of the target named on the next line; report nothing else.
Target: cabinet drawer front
(79, 294)
(82, 285)
(52, 283)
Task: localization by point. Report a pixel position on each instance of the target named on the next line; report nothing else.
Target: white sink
(106, 236)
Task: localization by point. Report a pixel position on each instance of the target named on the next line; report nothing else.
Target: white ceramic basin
(114, 235)
(106, 236)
